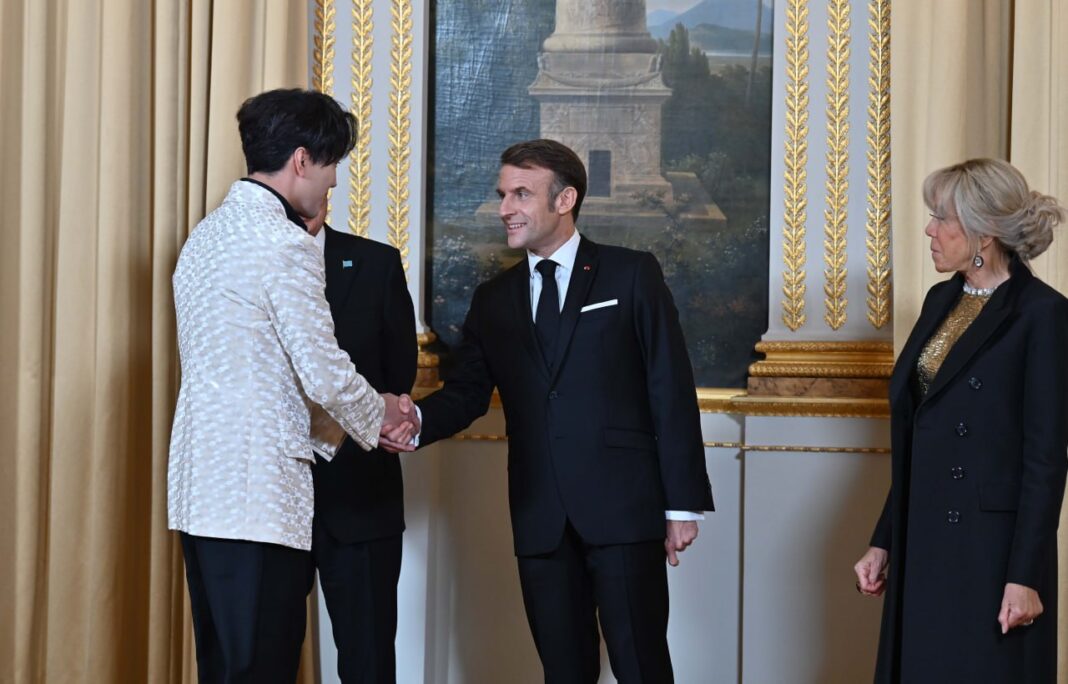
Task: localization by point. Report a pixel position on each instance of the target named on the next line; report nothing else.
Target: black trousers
(249, 608)
(359, 585)
(625, 585)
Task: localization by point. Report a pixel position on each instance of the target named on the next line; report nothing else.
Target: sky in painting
(677, 6)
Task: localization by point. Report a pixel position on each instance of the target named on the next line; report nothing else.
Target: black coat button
(953, 517)
(957, 472)
(975, 383)
(962, 429)
(553, 395)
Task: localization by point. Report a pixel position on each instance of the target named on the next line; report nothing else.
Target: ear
(985, 242)
(300, 161)
(565, 201)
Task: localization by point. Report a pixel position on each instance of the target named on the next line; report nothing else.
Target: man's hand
(871, 571)
(680, 534)
(1020, 606)
(400, 424)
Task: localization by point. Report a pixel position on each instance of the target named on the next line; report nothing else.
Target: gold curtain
(117, 132)
(973, 78)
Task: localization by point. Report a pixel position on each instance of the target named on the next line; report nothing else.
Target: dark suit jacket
(359, 495)
(978, 473)
(611, 438)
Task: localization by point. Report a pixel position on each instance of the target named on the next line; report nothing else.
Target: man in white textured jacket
(259, 363)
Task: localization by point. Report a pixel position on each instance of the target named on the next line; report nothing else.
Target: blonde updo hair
(991, 199)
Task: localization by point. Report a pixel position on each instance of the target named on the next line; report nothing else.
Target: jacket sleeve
(468, 387)
(671, 390)
(1045, 434)
(296, 305)
(400, 349)
(884, 527)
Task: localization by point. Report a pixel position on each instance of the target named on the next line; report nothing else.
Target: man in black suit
(584, 346)
(359, 497)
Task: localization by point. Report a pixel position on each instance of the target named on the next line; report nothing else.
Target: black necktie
(547, 317)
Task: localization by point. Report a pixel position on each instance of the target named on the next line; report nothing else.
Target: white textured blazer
(257, 345)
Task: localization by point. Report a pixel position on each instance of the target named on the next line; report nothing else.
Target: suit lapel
(520, 287)
(582, 274)
(982, 329)
(341, 266)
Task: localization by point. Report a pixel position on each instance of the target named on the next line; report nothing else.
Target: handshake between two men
(400, 425)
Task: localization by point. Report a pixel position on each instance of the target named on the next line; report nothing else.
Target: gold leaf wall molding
(775, 448)
(824, 360)
(400, 81)
(810, 407)
(757, 448)
(835, 215)
(360, 157)
(878, 143)
(323, 52)
(795, 181)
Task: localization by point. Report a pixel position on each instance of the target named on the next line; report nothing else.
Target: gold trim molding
(400, 95)
(736, 401)
(812, 407)
(323, 54)
(837, 185)
(797, 449)
(878, 139)
(824, 360)
(795, 181)
(761, 448)
(360, 157)
(717, 400)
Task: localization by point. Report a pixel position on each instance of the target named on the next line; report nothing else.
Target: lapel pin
(347, 263)
(586, 267)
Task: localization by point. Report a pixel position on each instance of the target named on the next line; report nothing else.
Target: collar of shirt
(320, 238)
(564, 257)
(291, 213)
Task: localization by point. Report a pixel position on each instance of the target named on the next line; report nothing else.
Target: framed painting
(668, 102)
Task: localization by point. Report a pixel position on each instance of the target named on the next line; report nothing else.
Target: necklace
(979, 291)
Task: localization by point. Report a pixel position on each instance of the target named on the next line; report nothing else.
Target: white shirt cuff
(419, 415)
(684, 515)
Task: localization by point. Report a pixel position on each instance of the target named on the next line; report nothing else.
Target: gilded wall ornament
(795, 181)
(878, 143)
(837, 184)
(360, 157)
(400, 94)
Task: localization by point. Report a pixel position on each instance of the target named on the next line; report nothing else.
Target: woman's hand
(871, 572)
(1020, 606)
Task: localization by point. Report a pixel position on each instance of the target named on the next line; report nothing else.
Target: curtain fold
(117, 131)
(975, 78)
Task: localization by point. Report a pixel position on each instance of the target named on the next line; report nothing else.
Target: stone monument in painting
(600, 92)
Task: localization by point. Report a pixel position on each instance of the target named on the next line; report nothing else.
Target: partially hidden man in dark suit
(606, 465)
(359, 497)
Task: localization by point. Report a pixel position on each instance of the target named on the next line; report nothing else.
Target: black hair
(567, 168)
(275, 123)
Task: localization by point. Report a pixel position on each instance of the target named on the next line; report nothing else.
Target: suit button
(953, 517)
(957, 472)
(553, 395)
(962, 429)
(975, 383)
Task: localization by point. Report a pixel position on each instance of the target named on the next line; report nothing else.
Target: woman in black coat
(966, 547)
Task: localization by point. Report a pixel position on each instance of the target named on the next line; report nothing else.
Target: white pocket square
(599, 305)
